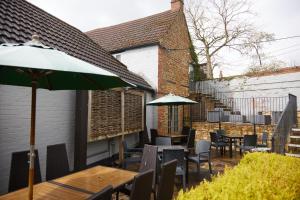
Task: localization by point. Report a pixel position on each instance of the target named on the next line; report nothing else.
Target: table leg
(187, 171)
(230, 147)
(240, 146)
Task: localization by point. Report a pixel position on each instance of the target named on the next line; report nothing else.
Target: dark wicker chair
(131, 155)
(144, 137)
(177, 154)
(142, 186)
(217, 142)
(191, 139)
(149, 162)
(18, 177)
(57, 161)
(250, 142)
(163, 141)
(185, 131)
(166, 184)
(202, 152)
(105, 194)
(154, 134)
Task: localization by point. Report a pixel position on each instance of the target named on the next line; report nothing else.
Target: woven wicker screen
(133, 112)
(105, 114)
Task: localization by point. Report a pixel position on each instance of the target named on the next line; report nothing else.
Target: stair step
(296, 129)
(294, 145)
(293, 155)
(295, 136)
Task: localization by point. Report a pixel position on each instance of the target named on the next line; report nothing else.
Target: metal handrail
(287, 120)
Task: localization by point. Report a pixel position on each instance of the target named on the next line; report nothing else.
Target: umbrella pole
(32, 141)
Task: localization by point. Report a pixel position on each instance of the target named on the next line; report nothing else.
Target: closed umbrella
(35, 65)
(171, 100)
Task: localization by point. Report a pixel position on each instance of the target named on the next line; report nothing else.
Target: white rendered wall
(151, 113)
(55, 124)
(265, 86)
(144, 62)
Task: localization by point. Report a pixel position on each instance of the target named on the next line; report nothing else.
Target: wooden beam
(143, 111)
(121, 149)
(81, 127)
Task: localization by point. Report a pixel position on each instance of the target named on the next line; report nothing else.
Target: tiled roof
(140, 32)
(20, 19)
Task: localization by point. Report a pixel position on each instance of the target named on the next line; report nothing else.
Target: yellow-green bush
(257, 176)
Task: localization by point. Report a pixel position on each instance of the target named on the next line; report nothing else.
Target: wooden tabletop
(46, 191)
(76, 186)
(97, 178)
(162, 147)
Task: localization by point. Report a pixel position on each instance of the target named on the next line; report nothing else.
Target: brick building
(156, 48)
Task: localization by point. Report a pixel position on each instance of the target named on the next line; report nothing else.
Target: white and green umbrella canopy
(35, 65)
(171, 99)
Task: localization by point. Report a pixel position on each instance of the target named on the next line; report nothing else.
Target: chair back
(203, 147)
(167, 179)
(144, 137)
(191, 139)
(154, 134)
(125, 146)
(142, 186)
(185, 130)
(264, 138)
(105, 194)
(163, 141)
(57, 161)
(18, 177)
(149, 160)
(221, 132)
(213, 137)
(174, 154)
(250, 140)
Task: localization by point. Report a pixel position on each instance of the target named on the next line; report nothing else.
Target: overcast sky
(281, 17)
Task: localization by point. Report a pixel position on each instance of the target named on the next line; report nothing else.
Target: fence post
(254, 125)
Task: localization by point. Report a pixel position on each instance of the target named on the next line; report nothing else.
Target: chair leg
(209, 165)
(117, 195)
(183, 182)
(198, 169)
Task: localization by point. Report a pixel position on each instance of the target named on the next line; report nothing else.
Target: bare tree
(216, 24)
(253, 47)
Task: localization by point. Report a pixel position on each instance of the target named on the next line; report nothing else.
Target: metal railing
(287, 120)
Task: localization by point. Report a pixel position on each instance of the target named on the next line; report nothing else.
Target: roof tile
(144, 31)
(20, 19)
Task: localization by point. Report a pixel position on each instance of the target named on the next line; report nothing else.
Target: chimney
(176, 5)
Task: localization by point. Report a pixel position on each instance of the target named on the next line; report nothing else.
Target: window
(173, 119)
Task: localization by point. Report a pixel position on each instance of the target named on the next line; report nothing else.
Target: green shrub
(257, 176)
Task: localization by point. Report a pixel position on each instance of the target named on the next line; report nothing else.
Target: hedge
(257, 176)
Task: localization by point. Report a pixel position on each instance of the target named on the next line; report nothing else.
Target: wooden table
(79, 185)
(97, 178)
(46, 191)
(174, 137)
(232, 138)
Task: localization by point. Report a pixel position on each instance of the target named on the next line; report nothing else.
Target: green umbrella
(170, 100)
(35, 65)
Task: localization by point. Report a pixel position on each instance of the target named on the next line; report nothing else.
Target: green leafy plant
(257, 176)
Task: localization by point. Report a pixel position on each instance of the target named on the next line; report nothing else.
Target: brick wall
(173, 67)
(203, 129)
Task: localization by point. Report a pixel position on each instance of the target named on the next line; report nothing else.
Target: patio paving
(218, 165)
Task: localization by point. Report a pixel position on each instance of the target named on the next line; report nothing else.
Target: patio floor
(218, 165)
